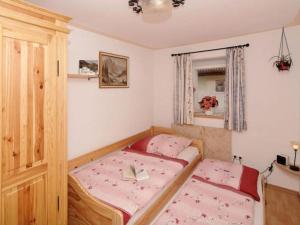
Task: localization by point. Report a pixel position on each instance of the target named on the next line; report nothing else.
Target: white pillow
(188, 154)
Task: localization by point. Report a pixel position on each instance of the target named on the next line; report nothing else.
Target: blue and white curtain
(235, 115)
(183, 90)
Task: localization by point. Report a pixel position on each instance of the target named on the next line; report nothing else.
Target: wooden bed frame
(84, 209)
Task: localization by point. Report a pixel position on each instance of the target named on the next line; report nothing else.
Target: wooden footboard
(84, 209)
(264, 186)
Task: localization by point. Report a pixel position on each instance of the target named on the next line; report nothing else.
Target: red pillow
(142, 144)
(249, 182)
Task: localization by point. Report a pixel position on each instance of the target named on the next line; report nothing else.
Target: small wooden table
(287, 169)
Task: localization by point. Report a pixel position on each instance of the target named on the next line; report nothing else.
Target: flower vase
(209, 112)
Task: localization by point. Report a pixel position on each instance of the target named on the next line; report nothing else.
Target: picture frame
(220, 85)
(113, 70)
(88, 67)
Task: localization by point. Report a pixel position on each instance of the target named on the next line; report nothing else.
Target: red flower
(208, 102)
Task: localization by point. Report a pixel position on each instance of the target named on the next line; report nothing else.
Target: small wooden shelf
(80, 76)
(287, 168)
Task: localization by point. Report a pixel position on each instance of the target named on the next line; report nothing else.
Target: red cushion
(249, 182)
(142, 144)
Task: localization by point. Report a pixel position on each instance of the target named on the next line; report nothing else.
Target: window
(209, 78)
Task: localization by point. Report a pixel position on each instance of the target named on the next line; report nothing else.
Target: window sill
(202, 115)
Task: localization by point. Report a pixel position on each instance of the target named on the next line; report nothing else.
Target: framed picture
(113, 70)
(220, 85)
(88, 67)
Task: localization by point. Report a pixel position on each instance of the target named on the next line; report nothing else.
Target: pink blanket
(103, 179)
(201, 203)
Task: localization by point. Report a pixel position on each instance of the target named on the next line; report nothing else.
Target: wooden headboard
(91, 156)
(217, 141)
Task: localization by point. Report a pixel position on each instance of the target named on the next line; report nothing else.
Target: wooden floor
(282, 206)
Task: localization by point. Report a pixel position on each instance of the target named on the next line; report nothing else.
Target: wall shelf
(80, 76)
(287, 169)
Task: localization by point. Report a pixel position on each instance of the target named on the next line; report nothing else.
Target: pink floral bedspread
(201, 203)
(220, 172)
(103, 179)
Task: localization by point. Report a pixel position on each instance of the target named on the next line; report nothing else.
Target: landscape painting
(88, 67)
(113, 70)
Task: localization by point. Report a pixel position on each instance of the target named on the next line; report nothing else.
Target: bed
(84, 206)
(207, 199)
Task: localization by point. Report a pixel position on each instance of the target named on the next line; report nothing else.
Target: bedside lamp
(295, 146)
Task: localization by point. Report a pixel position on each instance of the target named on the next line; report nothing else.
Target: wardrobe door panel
(28, 126)
(25, 203)
(23, 106)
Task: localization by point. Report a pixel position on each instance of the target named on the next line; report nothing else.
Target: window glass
(209, 79)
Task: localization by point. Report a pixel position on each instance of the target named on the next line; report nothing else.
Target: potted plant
(208, 103)
(283, 61)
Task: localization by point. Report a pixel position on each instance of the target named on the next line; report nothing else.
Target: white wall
(273, 98)
(98, 117)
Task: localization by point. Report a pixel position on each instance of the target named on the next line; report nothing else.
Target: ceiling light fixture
(155, 10)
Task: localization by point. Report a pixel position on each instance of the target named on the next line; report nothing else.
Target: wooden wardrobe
(33, 171)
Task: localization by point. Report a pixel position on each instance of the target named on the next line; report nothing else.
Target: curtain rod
(215, 49)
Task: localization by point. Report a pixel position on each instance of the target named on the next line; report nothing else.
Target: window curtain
(235, 116)
(183, 90)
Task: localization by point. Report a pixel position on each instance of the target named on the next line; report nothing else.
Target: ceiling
(197, 21)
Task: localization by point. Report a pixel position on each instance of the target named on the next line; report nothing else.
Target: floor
(282, 206)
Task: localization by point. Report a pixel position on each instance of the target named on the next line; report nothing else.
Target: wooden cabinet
(33, 171)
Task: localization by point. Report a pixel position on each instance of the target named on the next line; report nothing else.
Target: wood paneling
(61, 112)
(30, 9)
(27, 139)
(1, 108)
(33, 171)
(25, 204)
(84, 209)
(21, 11)
(23, 105)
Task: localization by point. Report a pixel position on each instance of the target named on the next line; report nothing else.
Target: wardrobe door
(28, 125)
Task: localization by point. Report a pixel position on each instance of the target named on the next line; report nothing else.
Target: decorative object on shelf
(155, 11)
(220, 85)
(295, 146)
(113, 70)
(283, 60)
(282, 159)
(88, 67)
(208, 104)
